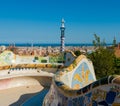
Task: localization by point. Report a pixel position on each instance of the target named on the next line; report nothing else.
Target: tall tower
(62, 28)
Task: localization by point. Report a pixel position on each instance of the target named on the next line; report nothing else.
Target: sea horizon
(48, 44)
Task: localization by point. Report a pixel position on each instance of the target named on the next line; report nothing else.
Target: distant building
(2, 48)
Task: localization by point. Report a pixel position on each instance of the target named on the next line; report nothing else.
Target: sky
(39, 21)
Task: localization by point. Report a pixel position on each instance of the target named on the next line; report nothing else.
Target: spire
(114, 38)
(62, 22)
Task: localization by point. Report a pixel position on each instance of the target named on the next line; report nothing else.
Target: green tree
(117, 65)
(77, 52)
(103, 59)
(103, 62)
(97, 42)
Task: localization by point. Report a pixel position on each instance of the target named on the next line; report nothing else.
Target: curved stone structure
(18, 70)
(76, 85)
(73, 79)
(24, 77)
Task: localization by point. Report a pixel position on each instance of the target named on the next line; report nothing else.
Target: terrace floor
(17, 96)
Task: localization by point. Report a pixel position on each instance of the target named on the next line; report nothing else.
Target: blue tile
(103, 103)
(94, 103)
(110, 97)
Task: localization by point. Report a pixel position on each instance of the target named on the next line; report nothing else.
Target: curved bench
(76, 85)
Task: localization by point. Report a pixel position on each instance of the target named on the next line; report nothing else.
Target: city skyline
(39, 21)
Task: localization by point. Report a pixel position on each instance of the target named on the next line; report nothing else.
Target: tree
(77, 52)
(97, 42)
(117, 65)
(103, 62)
(102, 58)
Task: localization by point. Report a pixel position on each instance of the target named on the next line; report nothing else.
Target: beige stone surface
(18, 95)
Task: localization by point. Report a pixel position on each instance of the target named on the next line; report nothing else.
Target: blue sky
(39, 20)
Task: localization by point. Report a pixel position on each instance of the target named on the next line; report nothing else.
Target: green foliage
(117, 66)
(117, 62)
(44, 61)
(77, 53)
(103, 62)
(56, 59)
(36, 58)
(97, 42)
(41, 58)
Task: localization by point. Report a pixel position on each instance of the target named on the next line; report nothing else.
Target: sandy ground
(18, 95)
